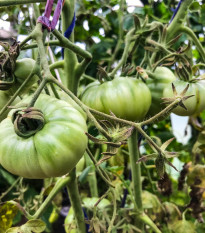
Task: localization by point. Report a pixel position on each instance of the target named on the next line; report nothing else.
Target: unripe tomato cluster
(57, 147)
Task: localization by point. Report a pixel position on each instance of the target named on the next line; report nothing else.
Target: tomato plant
(88, 144)
(53, 150)
(126, 97)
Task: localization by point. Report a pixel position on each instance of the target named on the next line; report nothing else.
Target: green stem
(114, 210)
(192, 35)
(62, 182)
(10, 188)
(76, 202)
(149, 222)
(123, 60)
(56, 65)
(120, 40)
(164, 113)
(84, 107)
(91, 177)
(35, 45)
(136, 173)
(65, 43)
(159, 45)
(37, 93)
(69, 56)
(174, 27)
(101, 172)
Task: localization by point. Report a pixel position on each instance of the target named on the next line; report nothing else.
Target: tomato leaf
(34, 225)
(7, 213)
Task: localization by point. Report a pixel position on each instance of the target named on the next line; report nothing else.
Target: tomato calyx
(7, 64)
(181, 97)
(117, 137)
(27, 122)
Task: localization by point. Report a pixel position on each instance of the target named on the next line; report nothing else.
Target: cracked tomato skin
(52, 151)
(194, 104)
(128, 98)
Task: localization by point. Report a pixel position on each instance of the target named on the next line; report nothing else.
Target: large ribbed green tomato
(161, 78)
(52, 151)
(195, 104)
(126, 97)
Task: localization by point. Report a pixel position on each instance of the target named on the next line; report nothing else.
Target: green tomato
(126, 97)
(195, 104)
(54, 150)
(161, 78)
(23, 68)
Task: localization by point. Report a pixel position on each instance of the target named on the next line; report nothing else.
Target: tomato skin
(126, 97)
(54, 150)
(23, 68)
(195, 104)
(161, 78)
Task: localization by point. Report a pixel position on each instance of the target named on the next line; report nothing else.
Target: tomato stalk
(69, 56)
(136, 173)
(76, 202)
(92, 177)
(120, 39)
(123, 60)
(174, 26)
(196, 41)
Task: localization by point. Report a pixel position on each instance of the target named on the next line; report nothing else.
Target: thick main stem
(69, 56)
(174, 26)
(76, 202)
(136, 173)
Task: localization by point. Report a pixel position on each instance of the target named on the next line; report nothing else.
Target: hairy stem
(76, 202)
(178, 21)
(196, 41)
(101, 172)
(136, 173)
(123, 60)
